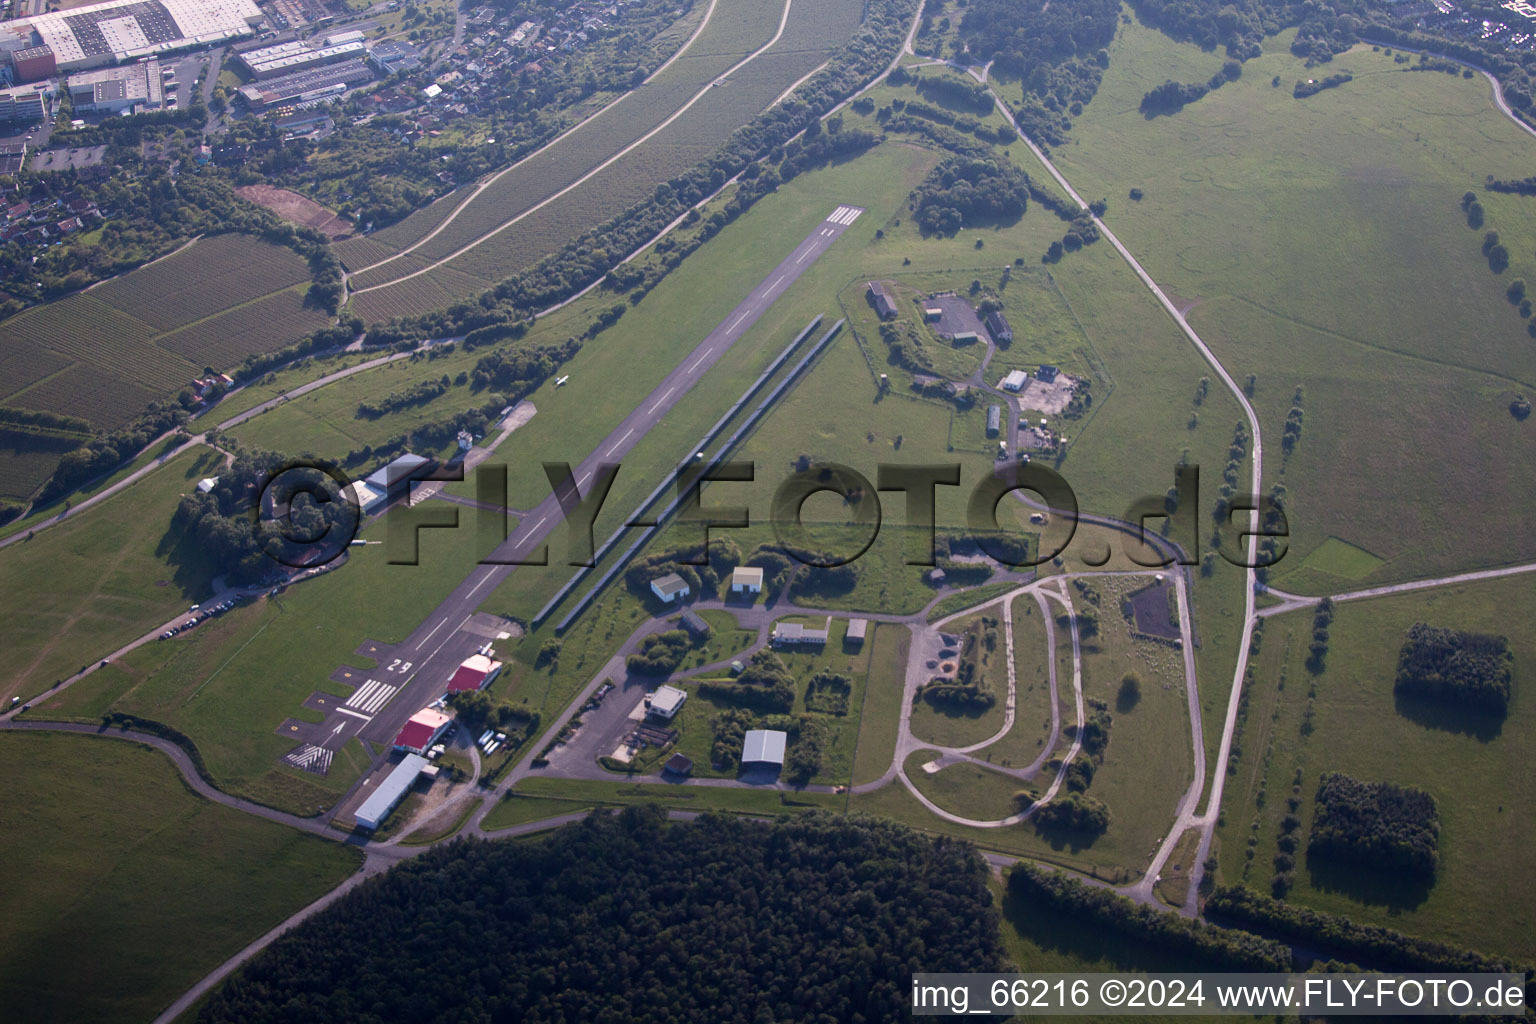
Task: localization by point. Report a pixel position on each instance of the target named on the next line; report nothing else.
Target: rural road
(1187, 817)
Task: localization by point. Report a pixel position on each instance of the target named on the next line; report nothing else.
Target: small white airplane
(560, 381)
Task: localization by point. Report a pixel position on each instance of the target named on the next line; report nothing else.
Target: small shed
(1015, 381)
(747, 579)
(858, 629)
(994, 420)
(695, 625)
(678, 764)
(884, 307)
(999, 328)
(670, 587)
(1046, 373)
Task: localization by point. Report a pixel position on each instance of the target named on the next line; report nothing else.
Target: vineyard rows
(384, 243)
(23, 363)
(106, 397)
(26, 460)
(811, 36)
(104, 354)
(212, 274)
(738, 27)
(261, 326)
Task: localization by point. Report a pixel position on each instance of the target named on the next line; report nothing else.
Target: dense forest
(1376, 824)
(1473, 670)
(630, 918)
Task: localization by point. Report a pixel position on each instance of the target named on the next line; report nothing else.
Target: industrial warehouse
(121, 30)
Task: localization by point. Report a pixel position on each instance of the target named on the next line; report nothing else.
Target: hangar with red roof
(422, 731)
(476, 672)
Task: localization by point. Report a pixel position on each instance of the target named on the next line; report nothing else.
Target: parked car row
(200, 615)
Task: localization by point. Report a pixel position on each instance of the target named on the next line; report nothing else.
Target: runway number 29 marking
(398, 666)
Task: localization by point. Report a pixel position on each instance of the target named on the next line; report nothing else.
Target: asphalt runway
(420, 666)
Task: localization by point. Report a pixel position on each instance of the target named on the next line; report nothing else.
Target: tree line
(1368, 945)
(1038, 890)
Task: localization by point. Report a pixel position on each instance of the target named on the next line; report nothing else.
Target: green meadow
(124, 888)
(1478, 769)
(1319, 243)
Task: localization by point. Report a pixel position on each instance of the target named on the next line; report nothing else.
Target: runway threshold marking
(355, 714)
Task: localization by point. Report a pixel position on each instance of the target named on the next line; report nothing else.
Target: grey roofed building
(994, 420)
(999, 328)
(858, 629)
(796, 633)
(397, 472)
(695, 625)
(1046, 373)
(884, 307)
(764, 746)
(394, 787)
(669, 587)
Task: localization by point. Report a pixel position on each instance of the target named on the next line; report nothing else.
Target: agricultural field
(200, 280)
(106, 353)
(122, 896)
(81, 589)
(28, 457)
(1320, 245)
(1346, 718)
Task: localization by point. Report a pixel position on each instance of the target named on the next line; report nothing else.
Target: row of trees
(1369, 945)
(1039, 890)
(1376, 824)
(630, 918)
(1171, 96)
(1472, 670)
(1313, 86)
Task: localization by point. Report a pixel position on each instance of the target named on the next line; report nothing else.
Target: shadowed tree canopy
(630, 918)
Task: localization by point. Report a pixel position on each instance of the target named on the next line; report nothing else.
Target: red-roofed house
(475, 673)
(422, 731)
